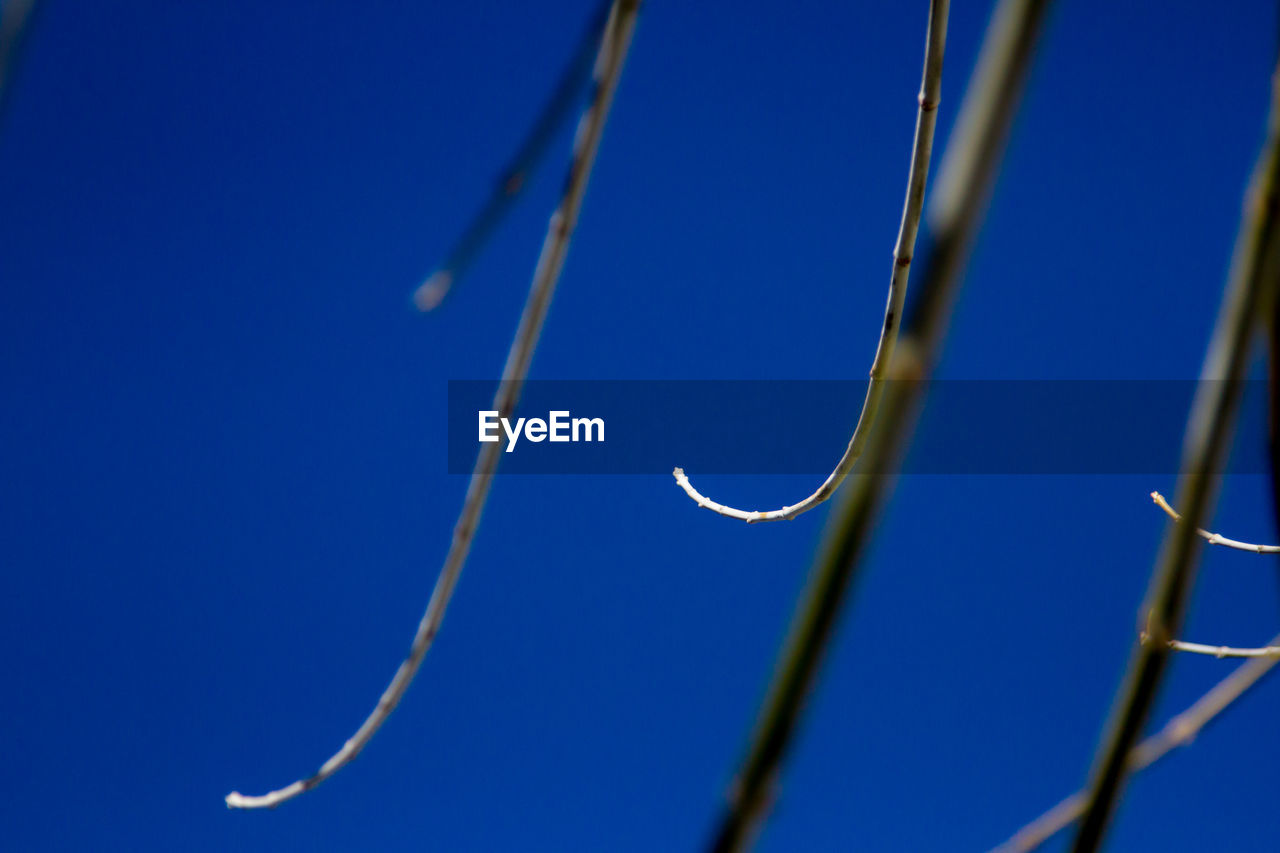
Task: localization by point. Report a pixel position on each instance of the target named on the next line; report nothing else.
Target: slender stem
(1224, 651)
(1204, 448)
(956, 212)
(917, 177)
(1215, 538)
(515, 176)
(1179, 731)
(613, 49)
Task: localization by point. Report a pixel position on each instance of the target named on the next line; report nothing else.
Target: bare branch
(1224, 651)
(515, 176)
(956, 212)
(1179, 731)
(1215, 538)
(1205, 446)
(917, 177)
(612, 53)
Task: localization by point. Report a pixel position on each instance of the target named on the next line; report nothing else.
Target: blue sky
(224, 483)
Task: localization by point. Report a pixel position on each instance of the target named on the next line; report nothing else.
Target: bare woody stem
(1179, 731)
(956, 212)
(1224, 651)
(612, 53)
(917, 178)
(1204, 448)
(1215, 538)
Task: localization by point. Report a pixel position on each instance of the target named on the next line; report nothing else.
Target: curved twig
(515, 176)
(1215, 538)
(1179, 731)
(1205, 446)
(612, 53)
(917, 178)
(956, 212)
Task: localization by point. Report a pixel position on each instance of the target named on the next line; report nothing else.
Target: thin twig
(956, 211)
(1179, 731)
(1224, 651)
(917, 177)
(1205, 446)
(612, 54)
(1215, 538)
(515, 176)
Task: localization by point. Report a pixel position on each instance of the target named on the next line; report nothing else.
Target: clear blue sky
(223, 489)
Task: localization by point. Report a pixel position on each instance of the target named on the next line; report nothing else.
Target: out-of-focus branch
(15, 23)
(917, 178)
(1215, 538)
(612, 53)
(1205, 446)
(955, 214)
(1179, 731)
(515, 176)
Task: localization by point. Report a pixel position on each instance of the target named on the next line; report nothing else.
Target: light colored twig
(513, 179)
(1224, 651)
(917, 177)
(1179, 731)
(956, 211)
(1205, 445)
(612, 53)
(1215, 538)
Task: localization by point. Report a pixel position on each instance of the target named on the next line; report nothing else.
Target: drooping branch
(1215, 538)
(515, 176)
(1179, 731)
(956, 212)
(612, 53)
(917, 178)
(1205, 446)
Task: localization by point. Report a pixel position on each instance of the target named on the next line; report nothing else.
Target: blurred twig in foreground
(956, 211)
(1179, 731)
(1205, 445)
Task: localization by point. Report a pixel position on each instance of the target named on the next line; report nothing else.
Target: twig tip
(432, 291)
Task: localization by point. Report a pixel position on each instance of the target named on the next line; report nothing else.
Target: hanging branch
(1204, 449)
(612, 53)
(917, 178)
(515, 177)
(1215, 538)
(955, 214)
(1179, 731)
